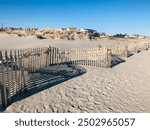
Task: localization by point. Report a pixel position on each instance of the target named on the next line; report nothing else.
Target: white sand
(123, 88)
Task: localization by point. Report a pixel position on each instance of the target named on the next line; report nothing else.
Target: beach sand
(12, 41)
(123, 88)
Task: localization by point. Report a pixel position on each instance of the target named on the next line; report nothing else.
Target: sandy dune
(123, 88)
(14, 42)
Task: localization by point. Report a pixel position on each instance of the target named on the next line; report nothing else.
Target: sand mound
(123, 88)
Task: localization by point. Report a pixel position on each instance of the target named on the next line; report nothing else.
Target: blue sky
(110, 16)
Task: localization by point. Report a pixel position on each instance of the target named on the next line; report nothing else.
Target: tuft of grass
(8, 31)
(120, 49)
(30, 32)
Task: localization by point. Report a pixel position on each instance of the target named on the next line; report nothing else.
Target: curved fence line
(16, 66)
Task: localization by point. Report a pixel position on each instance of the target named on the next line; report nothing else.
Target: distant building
(68, 29)
(103, 35)
(91, 31)
(141, 37)
(127, 36)
(34, 29)
(134, 36)
(63, 29)
(131, 36)
(71, 29)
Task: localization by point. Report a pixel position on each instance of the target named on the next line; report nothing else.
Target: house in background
(71, 29)
(141, 37)
(103, 35)
(62, 29)
(90, 31)
(68, 29)
(135, 36)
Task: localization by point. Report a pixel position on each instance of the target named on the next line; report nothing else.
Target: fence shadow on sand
(47, 78)
(115, 60)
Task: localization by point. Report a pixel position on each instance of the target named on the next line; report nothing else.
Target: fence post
(108, 58)
(2, 85)
(3, 94)
(100, 54)
(57, 56)
(47, 55)
(126, 53)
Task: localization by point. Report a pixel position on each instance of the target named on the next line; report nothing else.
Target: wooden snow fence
(138, 47)
(16, 66)
(98, 57)
(13, 76)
